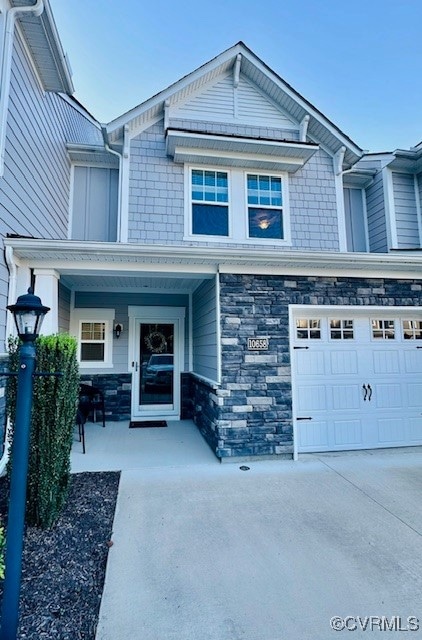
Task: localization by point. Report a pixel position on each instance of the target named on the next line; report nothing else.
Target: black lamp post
(28, 313)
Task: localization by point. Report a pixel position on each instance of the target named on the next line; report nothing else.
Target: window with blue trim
(265, 206)
(210, 198)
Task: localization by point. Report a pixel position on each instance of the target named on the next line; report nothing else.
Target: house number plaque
(257, 344)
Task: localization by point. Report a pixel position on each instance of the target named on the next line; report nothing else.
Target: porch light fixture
(118, 330)
(28, 313)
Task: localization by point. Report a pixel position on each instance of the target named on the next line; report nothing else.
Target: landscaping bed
(64, 567)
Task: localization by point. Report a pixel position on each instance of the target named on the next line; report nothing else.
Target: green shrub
(52, 422)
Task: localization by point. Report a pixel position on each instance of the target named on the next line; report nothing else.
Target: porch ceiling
(129, 283)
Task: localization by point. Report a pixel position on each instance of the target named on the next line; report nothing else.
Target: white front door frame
(154, 314)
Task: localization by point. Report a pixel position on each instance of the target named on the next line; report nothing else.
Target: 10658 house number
(258, 344)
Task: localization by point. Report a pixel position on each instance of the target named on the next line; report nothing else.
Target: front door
(157, 348)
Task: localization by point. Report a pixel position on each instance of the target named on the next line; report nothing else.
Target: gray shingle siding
(156, 198)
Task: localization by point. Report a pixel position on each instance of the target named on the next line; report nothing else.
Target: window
(383, 329)
(92, 341)
(412, 329)
(341, 329)
(308, 329)
(93, 329)
(236, 205)
(265, 213)
(210, 197)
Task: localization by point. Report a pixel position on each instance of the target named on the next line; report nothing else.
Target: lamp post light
(28, 313)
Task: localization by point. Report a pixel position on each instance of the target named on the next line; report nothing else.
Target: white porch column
(47, 288)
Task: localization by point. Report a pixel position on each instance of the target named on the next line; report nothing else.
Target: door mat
(145, 424)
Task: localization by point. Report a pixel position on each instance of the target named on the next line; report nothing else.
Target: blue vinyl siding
(355, 220)
(377, 229)
(204, 330)
(406, 210)
(34, 191)
(95, 196)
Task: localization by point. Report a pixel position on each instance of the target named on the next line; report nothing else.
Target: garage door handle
(370, 392)
(308, 418)
(365, 390)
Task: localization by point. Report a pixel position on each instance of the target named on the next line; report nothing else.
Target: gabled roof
(320, 129)
(40, 33)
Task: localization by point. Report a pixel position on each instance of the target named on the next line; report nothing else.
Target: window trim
(238, 222)
(94, 315)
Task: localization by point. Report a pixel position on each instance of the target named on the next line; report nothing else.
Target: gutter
(28, 248)
(6, 65)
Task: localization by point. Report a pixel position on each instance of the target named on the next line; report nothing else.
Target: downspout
(11, 265)
(119, 196)
(6, 68)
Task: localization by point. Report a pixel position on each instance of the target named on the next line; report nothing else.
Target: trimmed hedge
(54, 406)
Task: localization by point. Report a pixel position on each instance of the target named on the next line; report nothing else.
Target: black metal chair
(91, 400)
(80, 421)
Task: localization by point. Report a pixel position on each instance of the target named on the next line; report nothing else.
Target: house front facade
(229, 255)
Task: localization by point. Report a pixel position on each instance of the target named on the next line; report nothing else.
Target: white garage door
(357, 379)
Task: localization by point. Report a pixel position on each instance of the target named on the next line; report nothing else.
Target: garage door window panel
(341, 329)
(308, 329)
(412, 329)
(383, 329)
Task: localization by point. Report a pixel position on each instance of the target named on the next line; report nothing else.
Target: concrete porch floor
(118, 448)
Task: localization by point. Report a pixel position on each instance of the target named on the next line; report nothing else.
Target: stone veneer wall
(117, 393)
(254, 404)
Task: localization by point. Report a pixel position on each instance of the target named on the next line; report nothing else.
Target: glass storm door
(156, 362)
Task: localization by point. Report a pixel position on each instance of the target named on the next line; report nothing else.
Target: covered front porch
(119, 448)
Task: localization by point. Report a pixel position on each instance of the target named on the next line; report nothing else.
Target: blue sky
(359, 62)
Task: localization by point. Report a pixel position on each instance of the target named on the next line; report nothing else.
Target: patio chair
(80, 422)
(91, 400)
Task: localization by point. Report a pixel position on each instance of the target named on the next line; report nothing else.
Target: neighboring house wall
(156, 198)
(205, 330)
(406, 210)
(34, 191)
(377, 229)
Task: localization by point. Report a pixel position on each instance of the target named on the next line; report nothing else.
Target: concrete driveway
(210, 552)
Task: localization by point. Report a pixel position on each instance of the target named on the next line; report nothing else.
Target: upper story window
(265, 213)
(210, 197)
(237, 205)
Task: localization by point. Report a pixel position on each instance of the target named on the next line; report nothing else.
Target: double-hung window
(237, 205)
(93, 329)
(265, 206)
(210, 198)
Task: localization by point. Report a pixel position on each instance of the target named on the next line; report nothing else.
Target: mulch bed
(64, 567)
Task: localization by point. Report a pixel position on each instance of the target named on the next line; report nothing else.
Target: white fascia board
(177, 86)
(98, 256)
(306, 106)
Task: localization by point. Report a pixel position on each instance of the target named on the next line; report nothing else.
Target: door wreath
(156, 342)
